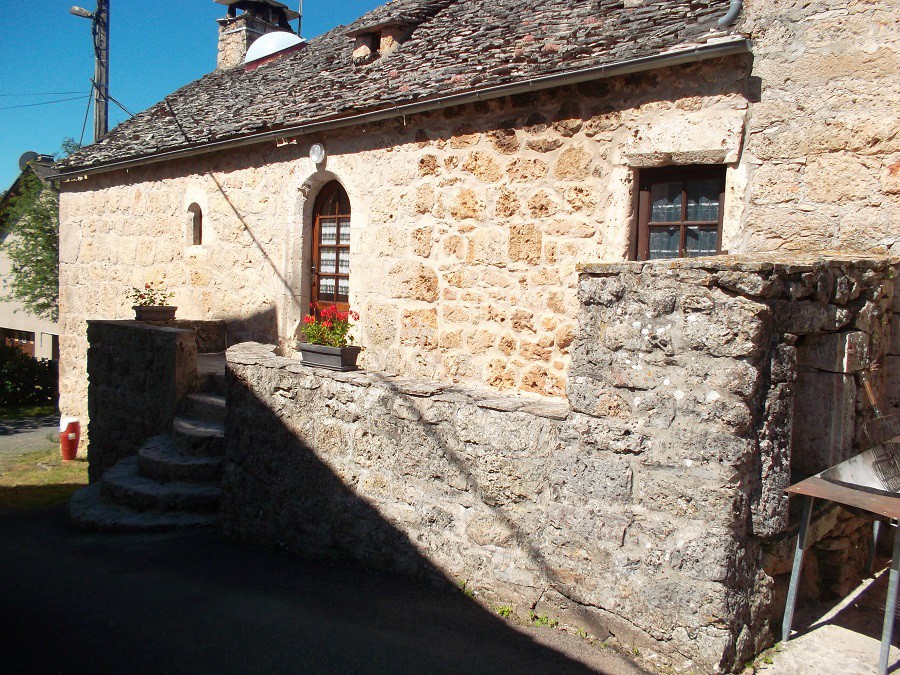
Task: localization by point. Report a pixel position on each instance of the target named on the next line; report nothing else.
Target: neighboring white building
(18, 326)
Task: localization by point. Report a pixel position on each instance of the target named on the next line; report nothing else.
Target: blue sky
(156, 46)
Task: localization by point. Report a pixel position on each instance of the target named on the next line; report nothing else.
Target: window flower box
(154, 312)
(333, 358)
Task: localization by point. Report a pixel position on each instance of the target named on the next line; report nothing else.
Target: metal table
(882, 505)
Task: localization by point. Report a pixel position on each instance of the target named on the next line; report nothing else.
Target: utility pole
(101, 69)
(100, 32)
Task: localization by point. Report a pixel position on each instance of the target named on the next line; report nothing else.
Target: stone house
(489, 185)
(35, 335)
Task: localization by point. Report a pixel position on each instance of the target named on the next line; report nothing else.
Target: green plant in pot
(150, 303)
(328, 341)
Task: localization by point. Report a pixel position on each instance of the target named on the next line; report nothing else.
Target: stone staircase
(173, 480)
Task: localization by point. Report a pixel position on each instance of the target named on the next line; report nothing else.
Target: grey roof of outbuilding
(456, 46)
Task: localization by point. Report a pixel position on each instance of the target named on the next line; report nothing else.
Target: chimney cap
(289, 13)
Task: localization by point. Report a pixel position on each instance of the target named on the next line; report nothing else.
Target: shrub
(24, 380)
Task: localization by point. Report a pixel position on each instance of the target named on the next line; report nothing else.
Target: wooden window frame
(669, 174)
(324, 194)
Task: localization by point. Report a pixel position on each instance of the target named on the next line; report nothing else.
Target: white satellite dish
(26, 159)
(272, 43)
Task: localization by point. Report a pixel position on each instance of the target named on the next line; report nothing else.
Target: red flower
(327, 324)
(354, 316)
(308, 319)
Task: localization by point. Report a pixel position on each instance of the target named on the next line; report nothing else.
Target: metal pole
(101, 69)
(890, 608)
(799, 552)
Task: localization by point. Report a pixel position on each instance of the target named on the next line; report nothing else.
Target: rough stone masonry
(647, 507)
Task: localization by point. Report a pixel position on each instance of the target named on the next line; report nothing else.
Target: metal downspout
(731, 16)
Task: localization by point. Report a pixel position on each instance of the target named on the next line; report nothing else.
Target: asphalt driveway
(76, 602)
(32, 433)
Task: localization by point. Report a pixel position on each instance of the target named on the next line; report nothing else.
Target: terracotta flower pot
(154, 313)
(333, 358)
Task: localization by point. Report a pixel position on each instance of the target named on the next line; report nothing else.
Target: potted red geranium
(150, 303)
(328, 342)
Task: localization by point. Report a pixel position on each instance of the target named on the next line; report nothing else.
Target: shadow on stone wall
(290, 485)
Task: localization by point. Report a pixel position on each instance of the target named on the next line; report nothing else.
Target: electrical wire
(86, 113)
(42, 93)
(32, 105)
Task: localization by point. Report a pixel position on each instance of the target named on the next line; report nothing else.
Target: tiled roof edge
(718, 49)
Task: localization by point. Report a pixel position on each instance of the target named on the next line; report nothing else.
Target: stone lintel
(846, 352)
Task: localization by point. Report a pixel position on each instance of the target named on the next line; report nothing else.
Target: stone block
(803, 318)
(824, 421)
(738, 328)
(577, 477)
(413, 280)
(845, 352)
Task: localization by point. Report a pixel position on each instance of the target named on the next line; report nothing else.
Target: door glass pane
(344, 264)
(703, 200)
(664, 242)
(665, 200)
(700, 241)
(326, 288)
(344, 230)
(327, 261)
(343, 290)
(329, 232)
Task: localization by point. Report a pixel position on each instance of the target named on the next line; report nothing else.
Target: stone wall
(650, 506)
(822, 150)
(138, 376)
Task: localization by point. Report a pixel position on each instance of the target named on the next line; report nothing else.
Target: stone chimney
(238, 31)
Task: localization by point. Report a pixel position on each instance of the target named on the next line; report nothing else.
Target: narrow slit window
(195, 224)
(680, 212)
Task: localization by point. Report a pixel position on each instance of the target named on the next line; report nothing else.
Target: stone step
(212, 382)
(125, 486)
(87, 509)
(199, 437)
(205, 406)
(160, 459)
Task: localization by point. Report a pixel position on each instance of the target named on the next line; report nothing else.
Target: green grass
(19, 412)
(39, 478)
(542, 621)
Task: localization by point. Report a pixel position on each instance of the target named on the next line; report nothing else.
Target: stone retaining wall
(651, 507)
(138, 375)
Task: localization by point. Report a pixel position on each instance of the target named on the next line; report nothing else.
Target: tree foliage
(24, 380)
(33, 248)
(31, 221)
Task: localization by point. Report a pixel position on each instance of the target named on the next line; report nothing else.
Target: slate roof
(455, 46)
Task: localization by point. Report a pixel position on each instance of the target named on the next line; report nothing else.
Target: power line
(43, 93)
(32, 105)
(86, 112)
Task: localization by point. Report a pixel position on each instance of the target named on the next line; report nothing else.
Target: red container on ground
(69, 435)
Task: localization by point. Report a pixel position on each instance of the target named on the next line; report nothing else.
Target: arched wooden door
(331, 248)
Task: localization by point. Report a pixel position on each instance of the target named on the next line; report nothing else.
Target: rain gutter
(728, 47)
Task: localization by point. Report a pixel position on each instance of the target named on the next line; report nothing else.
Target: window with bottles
(331, 247)
(680, 212)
